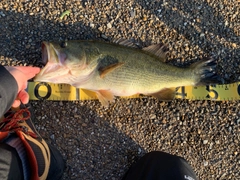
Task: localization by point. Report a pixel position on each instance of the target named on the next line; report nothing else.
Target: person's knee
(160, 165)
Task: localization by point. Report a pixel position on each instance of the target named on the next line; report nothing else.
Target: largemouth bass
(111, 69)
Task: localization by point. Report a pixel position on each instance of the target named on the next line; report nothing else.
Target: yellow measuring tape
(64, 92)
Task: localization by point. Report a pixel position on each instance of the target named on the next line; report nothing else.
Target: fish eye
(63, 44)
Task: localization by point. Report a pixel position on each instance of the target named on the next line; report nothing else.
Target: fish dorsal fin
(157, 49)
(125, 42)
(166, 94)
(105, 96)
(105, 70)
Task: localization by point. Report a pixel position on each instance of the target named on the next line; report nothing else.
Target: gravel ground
(99, 143)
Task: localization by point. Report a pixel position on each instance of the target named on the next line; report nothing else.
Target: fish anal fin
(158, 50)
(166, 94)
(109, 68)
(105, 96)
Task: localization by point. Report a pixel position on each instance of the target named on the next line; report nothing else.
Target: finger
(31, 74)
(23, 96)
(16, 103)
(28, 71)
(28, 68)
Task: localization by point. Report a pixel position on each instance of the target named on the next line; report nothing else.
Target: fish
(120, 69)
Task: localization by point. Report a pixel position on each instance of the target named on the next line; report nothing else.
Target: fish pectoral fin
(159, 50)
(166, 94)
(109, 68)
(105, 97)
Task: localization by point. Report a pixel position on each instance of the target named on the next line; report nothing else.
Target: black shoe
(39, 161)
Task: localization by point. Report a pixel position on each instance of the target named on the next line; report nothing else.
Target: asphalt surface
(101, 143)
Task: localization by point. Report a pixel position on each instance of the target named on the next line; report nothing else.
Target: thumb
(23, 96)
(16, 103)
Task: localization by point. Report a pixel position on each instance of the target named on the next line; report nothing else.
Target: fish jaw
(52, 73)
(54, 67)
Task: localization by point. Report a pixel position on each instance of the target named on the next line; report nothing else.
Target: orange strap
(3, 135)
(31, 157)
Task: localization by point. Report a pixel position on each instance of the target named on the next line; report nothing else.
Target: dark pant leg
(159, 165)
(57, 165)
(10, 163)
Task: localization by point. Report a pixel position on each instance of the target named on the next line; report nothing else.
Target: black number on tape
(211, 90)
(36, 91)
(182, 93)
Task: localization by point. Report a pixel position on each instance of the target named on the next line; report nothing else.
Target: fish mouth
(45, 52)
(53, 67)
(49, 53)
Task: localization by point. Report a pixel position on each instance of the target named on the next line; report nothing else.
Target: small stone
(100, 28)
(132, 13)
(152, 116)
(84, 124)
(92, 25)
(211, 145)
(234, 45)
(205, 163)
(238, 121)
(230, 129)
(205, 141)
(109, 25)
(139, 150)
(2, 14)
(104, 36)
(52, 137)
(144, 18)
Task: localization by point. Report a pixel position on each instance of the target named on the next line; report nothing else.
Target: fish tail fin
(205, 73)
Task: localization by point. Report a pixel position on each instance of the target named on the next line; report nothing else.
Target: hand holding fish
(22, 74)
